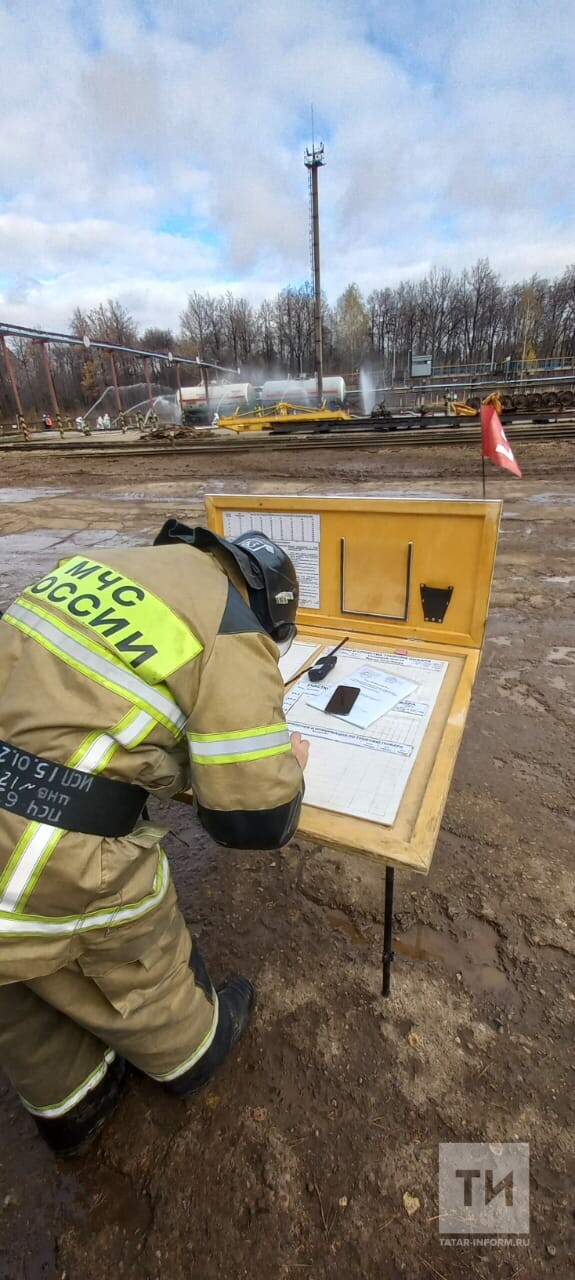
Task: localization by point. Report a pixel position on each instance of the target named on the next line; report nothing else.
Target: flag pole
(482, 413)
(494, 443)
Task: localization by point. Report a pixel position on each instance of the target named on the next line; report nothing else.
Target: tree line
(466, 318)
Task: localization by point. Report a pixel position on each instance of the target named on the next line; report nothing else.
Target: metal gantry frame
(44, 337)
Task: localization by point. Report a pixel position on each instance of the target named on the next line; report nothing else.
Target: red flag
(496, 446)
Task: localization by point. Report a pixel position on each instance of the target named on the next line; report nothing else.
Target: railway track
(357, 438)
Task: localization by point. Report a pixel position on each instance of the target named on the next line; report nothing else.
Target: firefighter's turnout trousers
(148, 668)
(139, 993)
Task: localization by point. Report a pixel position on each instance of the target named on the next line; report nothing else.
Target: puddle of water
(31, 540)
(25, 557)
(475, 957)
(546, 499)
(155, 497)
(339, 920)
(29, 546)
(39, 538)
(162, 490)
(562, 582)
(30, 495)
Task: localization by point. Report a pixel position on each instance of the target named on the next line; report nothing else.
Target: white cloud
(151, 148)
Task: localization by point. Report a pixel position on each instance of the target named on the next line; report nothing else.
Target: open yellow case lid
(400, 567)
(394, 575)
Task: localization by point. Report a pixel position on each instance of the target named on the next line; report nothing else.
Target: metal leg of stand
(388, 930)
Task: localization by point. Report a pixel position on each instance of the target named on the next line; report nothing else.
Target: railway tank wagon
(223, 398)
(302, 392)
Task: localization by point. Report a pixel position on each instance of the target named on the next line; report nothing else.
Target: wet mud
(296, 1160)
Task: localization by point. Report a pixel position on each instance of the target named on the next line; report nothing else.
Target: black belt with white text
(42, 791)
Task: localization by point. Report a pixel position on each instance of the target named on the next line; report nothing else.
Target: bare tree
(352, 327)
(294, 315)
(195, 323)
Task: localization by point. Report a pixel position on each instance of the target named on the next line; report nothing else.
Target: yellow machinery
(278, 415)
(460, 408)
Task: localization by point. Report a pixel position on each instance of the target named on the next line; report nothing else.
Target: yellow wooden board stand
(396, 576)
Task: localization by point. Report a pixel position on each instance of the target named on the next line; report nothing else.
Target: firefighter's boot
(236, 1000)
(70, 1133)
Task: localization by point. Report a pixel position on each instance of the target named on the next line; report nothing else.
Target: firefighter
(143, 671)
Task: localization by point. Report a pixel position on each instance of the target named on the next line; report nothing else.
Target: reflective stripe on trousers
(19, 925)
(67, 1104)
(199, 1052)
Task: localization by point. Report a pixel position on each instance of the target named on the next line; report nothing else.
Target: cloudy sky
(152, 147)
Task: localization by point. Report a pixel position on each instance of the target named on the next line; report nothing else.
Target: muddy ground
(295, 1163)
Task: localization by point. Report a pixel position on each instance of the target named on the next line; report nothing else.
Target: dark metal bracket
(435, 602)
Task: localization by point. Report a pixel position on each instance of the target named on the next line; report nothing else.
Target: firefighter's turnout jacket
(147, 666)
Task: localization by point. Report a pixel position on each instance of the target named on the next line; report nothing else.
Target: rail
(267, 442)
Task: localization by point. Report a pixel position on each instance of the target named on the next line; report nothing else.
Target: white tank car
(303, 391)
(223, 398)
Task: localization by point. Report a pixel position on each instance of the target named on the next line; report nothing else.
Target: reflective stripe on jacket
(146, 665)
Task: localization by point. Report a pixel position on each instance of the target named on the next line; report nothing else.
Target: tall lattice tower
(313, 160)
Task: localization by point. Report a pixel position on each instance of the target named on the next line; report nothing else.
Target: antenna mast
(313, 160)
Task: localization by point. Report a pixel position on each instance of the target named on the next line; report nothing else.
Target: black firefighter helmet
(267, 571)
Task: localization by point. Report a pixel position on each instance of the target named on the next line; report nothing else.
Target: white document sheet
(379, 691)
(298, 532)
(364, 772)
(298, 656)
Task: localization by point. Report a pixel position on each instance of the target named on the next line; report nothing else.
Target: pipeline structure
(43, 338)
